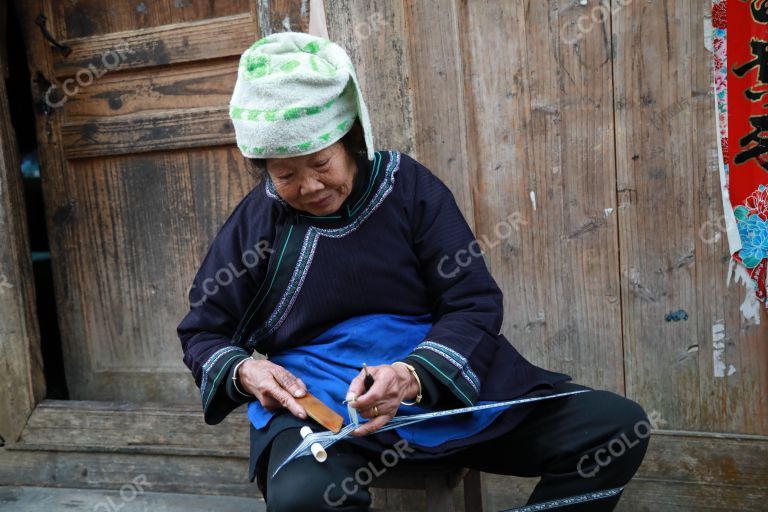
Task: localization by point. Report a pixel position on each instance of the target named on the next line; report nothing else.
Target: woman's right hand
(272, 385)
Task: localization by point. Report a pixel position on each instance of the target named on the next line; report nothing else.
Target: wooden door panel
(193, 85)
(184, 128)
(160, 46)
(138, 224)
(139, 172)
(90, 18)
(541, 145)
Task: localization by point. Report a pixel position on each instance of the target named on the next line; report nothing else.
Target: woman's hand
(272, 385)
(392, 384)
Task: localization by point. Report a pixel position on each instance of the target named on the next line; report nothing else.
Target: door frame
(23, 384)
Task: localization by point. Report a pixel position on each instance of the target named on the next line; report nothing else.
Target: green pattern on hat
(256, 66)
(312, 47)
(295, 94)
(303, 148)
(290, 66)
(283, 114)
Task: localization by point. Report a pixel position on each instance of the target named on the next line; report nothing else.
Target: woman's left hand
(392, 384)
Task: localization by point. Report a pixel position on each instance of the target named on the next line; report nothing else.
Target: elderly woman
(342, 255)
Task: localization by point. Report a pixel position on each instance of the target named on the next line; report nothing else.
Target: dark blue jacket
(275, 277)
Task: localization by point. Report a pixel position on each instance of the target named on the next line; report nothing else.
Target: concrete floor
(50, 499)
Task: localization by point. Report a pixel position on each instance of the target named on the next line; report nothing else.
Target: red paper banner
(747, 158)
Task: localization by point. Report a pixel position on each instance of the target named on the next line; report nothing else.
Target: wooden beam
(160, 46)
(178, 129)
(105, 444)
(21, 363)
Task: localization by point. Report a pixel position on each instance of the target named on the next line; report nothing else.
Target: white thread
(326, 439)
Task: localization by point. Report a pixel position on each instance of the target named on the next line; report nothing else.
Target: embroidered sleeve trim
(453, 357)
(433, 366)
(214, 368)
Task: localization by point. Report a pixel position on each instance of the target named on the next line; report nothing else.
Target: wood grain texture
(193, 85)
(672, 257)
(167, 472)
(541, 144)
(132, 201)
(438, 97)
(105, 444)
(168, 44)
(739, 402)
(22, 384)
(77, 425)
(160, 208)
(581, 153)
(178, 129)
(374, 35)
(90, 18)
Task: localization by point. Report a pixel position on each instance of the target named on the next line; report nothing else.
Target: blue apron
(328, 364)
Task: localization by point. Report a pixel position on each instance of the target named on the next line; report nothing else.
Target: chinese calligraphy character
(757, 92)
(760, 51)
(759, 11)
(755, 142)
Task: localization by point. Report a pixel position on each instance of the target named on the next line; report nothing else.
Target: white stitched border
(385, 188)
(565, 502)
(453, 362)
(461, 358)
(211, 361)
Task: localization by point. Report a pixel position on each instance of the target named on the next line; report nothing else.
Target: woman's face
(317, 183)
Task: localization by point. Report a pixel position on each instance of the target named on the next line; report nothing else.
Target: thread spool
(317, 450)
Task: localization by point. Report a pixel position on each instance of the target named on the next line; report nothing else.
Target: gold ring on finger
(375, 411)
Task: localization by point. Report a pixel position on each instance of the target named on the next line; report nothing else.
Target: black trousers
(578, 445)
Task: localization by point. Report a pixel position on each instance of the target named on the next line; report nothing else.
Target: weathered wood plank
(167, 44)
(192, 85)
(21, 362)
(541, 142)
(736, 402)
(104, 445)
(91, 424)
(131, 497)
(90, 18)
(655, 178)
(162, 131)
(438, 96)
(374, 34)
(152, 207)
(669, 189)
(110, 470)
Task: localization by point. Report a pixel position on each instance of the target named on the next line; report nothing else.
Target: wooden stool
(438, 481)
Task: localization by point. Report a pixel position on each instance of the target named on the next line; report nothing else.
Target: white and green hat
(295, 94)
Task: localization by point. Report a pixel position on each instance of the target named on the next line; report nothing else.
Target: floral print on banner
(721, 73)
(752, 218)
(740, 36)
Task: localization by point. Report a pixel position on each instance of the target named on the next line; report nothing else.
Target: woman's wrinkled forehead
(295, 162)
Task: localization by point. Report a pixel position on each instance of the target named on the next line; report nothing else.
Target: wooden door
(588, 123)
(139, 171)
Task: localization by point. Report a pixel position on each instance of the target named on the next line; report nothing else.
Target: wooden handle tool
(321, 413)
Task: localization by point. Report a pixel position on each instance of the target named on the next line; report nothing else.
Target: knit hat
(295, 94)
